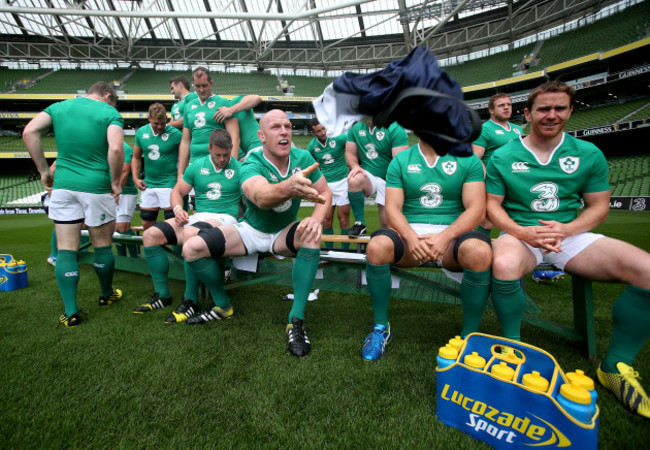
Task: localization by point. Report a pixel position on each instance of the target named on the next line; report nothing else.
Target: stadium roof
(294, 34)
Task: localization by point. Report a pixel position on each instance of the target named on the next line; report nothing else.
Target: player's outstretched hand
(301, 185)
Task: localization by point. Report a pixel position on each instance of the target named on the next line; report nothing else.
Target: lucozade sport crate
(510, 414)
(13, 273)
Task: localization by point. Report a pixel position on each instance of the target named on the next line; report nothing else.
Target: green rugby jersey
(216, 191)
(80, 126)
(248, 128)
(159, 154)
(376, 145)
(494, 136)
(549, 191)
(178, 108)
(432, 194)
(129, 188)
(331, 157)
(199, 118)
(275, 219)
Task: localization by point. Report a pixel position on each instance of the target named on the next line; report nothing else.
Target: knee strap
(470, 235)
(398, 245)
(291, 235)
(148, 215)
(167, 231)
(215, 240)
(169, 214)
(202, 226)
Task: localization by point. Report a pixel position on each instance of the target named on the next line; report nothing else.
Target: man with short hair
(199, 122)
(180, 88)
(90, 142)
(535, 185)
(330, 154)
(368, 151)
(241, 107)
(433, 203)
(215, 180)
(274, 180)
(157, 143)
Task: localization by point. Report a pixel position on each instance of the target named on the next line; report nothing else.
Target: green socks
(379, 285)
(474, 292)
(303, 274)
(329, 231)
(509, 301)
(357, 203)
(631, 315)
(191, 284)
(344, 232)
(104, 264)
(210, 272)
(159, 268)
(53, 247)
(67, 277)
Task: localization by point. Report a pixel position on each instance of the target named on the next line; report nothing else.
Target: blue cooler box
(509, 414)
(12, 274)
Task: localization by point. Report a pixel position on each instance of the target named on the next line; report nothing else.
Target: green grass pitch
(129, 381)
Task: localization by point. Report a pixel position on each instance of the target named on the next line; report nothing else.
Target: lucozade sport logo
(505, 426)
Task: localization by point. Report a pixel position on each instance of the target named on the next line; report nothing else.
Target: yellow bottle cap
(20, 262)
(474, 360)
(12, 264)
(575, 393)
(579, 378)
(503, 371)
(535, 381)
(456, 342)
(448, 352)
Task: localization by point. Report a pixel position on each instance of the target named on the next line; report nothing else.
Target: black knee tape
(291, 235)
(398, 245)
(169, 214)
(215, 240)
(202, 226)
(148, 215)
(167, 231)
(470, 235)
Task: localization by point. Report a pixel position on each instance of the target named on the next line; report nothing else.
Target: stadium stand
(630, 175)
(17, 79)
(595, 116)
(304, 86)
(67, 81)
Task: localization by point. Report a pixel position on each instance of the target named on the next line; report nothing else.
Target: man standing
(199, 122)
(368, 152)
(274, 180)
(180, 88)
(330, 154)
(156, 143)
(215, 180)
(433, 203)
(241, 108)
(534, 187)
(90, 142)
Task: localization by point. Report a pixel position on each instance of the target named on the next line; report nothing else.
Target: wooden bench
(583, 330)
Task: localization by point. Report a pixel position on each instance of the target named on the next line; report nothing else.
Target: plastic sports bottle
(474, 360)
(503, 371)
(447, 355)
(535, 381)
(576, 400)
(456, 342)
(578, 377)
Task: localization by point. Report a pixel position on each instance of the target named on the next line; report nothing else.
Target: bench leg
(583, 313)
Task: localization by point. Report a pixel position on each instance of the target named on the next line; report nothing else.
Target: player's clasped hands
(437, 244)
(301, 186)
(419, 249)
(549, 235)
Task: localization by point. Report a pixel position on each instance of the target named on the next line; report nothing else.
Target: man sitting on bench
(274, 180)
(534, 186)
(433, 202)
(215, 179)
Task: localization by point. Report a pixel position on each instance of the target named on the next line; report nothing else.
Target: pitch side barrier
(583, 330)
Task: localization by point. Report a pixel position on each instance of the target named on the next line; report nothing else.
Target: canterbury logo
(414, 168)
(520, 167)
(72, 274)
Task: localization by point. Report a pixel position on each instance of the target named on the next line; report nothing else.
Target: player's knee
(385, 247)
(215, 241)
(122, 227)
(160, 233)
(473, 250)
(149, 215)
(290, 240)
(505, 266)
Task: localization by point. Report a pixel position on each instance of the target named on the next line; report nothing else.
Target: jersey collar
(430, 166)
(154, 133)
(550, 158)
(499, 125)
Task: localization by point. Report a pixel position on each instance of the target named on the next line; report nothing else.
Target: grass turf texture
(125, 380)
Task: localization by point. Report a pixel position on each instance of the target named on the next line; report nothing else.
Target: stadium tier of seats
(304, 86)
(16, 190)
(66, 81)
(595, 116)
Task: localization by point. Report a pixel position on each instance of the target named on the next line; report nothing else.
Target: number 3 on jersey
(548, 200)
(199, 120)
(432, 199)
